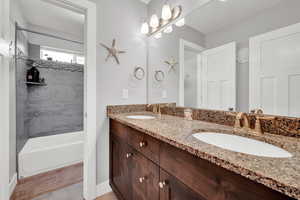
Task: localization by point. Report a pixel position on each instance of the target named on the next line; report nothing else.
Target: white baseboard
(103, 188)
(13, 184)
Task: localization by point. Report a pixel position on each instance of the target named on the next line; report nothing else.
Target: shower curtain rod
(48, 35)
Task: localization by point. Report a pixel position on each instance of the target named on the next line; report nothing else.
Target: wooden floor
(31, 187)
(109, 196)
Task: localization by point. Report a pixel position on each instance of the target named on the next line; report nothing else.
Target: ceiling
(217, 15)
(41, 13)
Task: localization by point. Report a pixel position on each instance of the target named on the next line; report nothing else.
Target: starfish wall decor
(171, 64)
(113, 51)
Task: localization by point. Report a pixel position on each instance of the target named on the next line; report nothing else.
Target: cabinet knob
(142, 179)
(162, 184)
(128, 155)
(142, 144)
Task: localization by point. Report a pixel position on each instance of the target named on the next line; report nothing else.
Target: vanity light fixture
(166, 12)
(158, 35)
(145, 28)
(157, 26)
(154, 22)
(180, 22)
(169, 29)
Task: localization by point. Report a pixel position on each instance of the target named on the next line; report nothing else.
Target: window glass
(61, 56)
(80, 60)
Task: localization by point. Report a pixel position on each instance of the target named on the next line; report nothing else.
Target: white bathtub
(48, 153)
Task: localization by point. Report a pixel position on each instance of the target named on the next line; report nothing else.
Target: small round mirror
(159, 76)
(139, 73)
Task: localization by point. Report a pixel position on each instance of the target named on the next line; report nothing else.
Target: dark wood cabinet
(172, 189)
(144, 168)
(119, 172)
(144, 178)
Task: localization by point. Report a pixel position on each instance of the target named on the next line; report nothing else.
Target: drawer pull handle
(142, 144)
(128, 155)
(162, 184)
(142, 179)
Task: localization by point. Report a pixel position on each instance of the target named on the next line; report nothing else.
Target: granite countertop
(281, 174)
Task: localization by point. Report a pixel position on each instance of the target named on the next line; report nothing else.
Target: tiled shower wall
(52, 109)
(57, 107)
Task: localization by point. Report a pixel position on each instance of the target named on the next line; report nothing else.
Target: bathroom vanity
(159, 158)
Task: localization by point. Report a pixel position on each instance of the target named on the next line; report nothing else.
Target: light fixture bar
(176, 13)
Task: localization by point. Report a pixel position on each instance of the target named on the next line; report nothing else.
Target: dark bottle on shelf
(33, 75)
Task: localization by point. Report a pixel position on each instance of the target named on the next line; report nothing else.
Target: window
(61, 56)
(80, 60)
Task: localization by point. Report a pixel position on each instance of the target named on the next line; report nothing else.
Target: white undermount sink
(242, 145)
(140, 117)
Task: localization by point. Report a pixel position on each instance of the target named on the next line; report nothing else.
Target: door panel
(144, 178)
(219, 77)
(275, 71)
(173, 189)
(119, 167)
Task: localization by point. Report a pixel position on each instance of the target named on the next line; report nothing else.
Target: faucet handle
(257, 111)
(258, 130)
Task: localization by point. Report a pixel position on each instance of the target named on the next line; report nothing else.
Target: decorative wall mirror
(139, 73)
(159, 76)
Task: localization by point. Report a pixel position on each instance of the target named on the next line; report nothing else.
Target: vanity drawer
(145, 144)
(118, 130)
(211, 181)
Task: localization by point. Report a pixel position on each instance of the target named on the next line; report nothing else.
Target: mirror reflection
(228, 55)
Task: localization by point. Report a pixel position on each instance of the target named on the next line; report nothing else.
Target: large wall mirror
(229, 55)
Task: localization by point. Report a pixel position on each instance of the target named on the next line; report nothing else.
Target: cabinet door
(144, 178)
(119, 174)
(172, 189)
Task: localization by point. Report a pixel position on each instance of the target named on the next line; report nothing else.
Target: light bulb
(177, 12)
(166, 12)
(169, 29)
(145, 28)
(154, 22)
(158, 35)
(180, 22)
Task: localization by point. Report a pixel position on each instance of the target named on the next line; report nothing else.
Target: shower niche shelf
(35, 84)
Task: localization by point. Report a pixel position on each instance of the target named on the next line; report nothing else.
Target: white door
(4, 99)
(275, 71)
(219, 77)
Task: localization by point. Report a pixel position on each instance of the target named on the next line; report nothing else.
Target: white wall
(55, 43)
(284, 14)
(190, 78)
(164, 49)
(120, 20)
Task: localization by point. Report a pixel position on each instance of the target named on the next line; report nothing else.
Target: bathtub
(48, 153)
